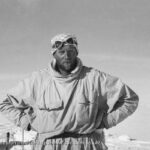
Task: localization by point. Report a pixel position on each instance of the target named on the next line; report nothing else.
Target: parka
(82, 102)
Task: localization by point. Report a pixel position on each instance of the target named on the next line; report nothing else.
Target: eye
(61, 52)
(70, 41)
(72, 49)
(57, 44)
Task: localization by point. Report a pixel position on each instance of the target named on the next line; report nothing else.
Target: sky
(113, 36)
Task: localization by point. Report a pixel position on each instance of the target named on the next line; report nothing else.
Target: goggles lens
(60, 44)
(57, 44)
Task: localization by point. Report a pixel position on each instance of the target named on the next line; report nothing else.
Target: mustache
(67, 60)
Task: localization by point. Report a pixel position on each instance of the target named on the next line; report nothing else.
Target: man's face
(66, 58)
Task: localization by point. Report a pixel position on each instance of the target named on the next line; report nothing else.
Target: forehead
(67, 47)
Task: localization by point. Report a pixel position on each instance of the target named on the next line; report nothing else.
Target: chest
(56, 94)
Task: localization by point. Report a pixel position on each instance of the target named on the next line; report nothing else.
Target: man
(68, 102)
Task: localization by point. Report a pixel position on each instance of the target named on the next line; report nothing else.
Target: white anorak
(82, 102)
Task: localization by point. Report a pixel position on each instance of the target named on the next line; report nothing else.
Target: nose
(67, 54)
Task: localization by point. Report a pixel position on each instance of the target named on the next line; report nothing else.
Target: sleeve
(17, 106)
(121, 101)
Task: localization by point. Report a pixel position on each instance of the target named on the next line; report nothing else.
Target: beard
(66, 66)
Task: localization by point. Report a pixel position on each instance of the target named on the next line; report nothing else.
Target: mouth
(67, 61)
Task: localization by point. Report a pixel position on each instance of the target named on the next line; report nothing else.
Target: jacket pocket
(49, 101)
(85, 111)
(49, 98)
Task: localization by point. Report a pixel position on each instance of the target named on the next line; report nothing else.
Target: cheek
(59, 61)
(74, 57)
(58, 57)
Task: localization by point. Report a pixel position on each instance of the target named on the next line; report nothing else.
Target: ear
(54, 54)
(76, 52)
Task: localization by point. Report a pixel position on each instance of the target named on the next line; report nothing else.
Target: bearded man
(67, 102)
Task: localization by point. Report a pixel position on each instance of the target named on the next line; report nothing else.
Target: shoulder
(36, 77)
(90, 71)
(99, 74)
(40, 74)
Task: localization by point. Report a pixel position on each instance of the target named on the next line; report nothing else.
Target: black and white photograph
(74, 75)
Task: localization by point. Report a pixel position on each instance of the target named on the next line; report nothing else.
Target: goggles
(60, 44)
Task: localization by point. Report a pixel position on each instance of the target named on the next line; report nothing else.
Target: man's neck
(63, 72)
